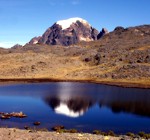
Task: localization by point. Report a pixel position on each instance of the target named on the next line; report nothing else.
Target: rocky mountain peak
(34, 40)
(67, 32)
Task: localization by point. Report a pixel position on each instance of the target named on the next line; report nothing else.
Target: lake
(84, 106)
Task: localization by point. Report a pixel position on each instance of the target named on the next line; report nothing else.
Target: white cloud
(10, 44)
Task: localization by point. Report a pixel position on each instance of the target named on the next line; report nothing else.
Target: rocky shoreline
(17, 134)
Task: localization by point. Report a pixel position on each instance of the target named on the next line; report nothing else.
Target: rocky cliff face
(103, 32)
(67, 32)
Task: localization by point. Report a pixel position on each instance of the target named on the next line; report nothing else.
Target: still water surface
(83, 106)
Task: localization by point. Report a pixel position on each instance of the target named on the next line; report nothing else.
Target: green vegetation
(73, 131)
(144, 135)
(130, 134)
(61, 129)
(111, 133)
(98, 132)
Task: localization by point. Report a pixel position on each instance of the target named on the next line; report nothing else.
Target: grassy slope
(124, 60)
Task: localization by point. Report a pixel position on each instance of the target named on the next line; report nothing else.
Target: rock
(18, 115)
(58, 127)
(97, 58)
(103, 32)
(26, 127)
(37, 123)
(13, 114)
(5, 117)
(119, 28)
(93, 59)
(87, 59)
(34, 40)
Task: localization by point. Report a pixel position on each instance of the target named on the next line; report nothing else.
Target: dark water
(83, 106)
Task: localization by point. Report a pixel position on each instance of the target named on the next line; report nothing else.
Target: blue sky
(21, 20)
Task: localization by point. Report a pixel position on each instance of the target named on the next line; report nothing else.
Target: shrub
(141, 134)
(130, 134)
(111, 133)
(97, 132)
(73, 131)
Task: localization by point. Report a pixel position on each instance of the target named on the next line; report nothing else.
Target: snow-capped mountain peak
(67, 32)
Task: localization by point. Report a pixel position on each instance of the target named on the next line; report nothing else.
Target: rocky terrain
(16, 134)
(121, 57)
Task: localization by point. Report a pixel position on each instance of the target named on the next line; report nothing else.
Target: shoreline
(118, 83)
(19, 134)
(43, 134)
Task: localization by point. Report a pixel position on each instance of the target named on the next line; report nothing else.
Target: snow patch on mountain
(85, 39)
(67, 23)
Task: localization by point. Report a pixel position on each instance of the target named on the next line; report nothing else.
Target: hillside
(121, 57)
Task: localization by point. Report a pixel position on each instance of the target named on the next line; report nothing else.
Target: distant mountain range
(68, 32)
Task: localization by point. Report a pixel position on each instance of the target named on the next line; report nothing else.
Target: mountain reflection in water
(73, 107)
(71, 102)
(83, 106)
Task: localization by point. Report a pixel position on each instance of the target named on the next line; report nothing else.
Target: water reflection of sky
(78, 105)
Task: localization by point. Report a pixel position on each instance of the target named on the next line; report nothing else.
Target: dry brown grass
(50, 66)
(124, 60)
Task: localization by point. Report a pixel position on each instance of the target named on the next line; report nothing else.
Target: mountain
(34, 40)
(67, 32)
(121, 57)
